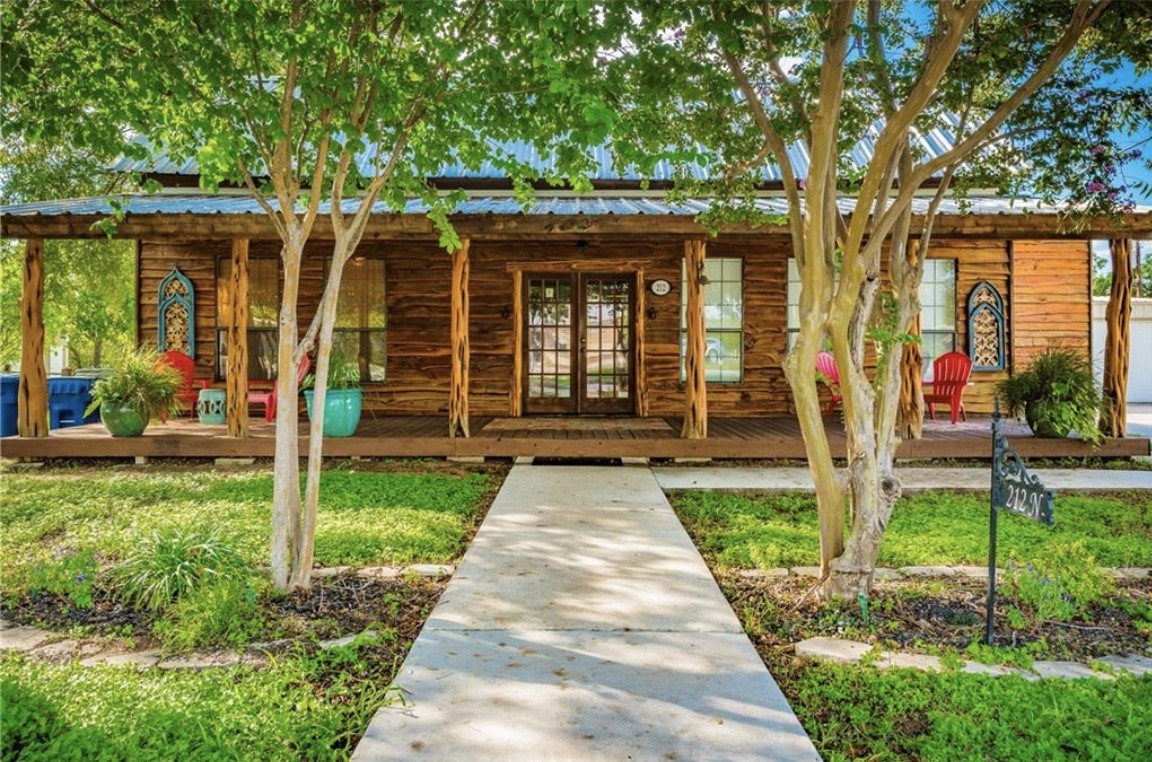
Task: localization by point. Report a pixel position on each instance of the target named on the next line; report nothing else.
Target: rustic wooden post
(1116, 345)
(695, 388)
(236, 373)
(516, 395)
(910, 416)
(458, 395)
(639, 348)
(32, 404)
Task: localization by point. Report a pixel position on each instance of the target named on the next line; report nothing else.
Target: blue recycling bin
(68, 396)
(9, 393)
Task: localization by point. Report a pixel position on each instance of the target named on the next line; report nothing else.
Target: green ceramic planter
(123, 419)
(1039, 417)
(341, 410)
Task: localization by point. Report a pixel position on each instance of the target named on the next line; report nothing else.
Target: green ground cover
(300, 708)
(856, 712)
(766, 530)
(366, 517)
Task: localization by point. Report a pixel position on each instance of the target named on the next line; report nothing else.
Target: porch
(656, 437)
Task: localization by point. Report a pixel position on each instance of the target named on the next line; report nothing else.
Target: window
(263, 315)
(937, 310)
(361, 325)
(937, 315)
(723, 320)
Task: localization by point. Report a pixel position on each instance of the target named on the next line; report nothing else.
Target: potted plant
(1057, 394)
(140, 388)
(343, 399)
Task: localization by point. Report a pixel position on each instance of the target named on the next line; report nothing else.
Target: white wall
(1140, 359)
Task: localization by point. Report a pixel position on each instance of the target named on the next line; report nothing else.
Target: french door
(578, 348)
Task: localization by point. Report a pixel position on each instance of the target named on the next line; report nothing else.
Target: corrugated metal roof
(592, 205)
(932, 143)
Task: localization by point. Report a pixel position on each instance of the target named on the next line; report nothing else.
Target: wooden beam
(640, 348)
(458, 393)
(910, 416)
(1116, 344)
(695, 387)
(236, 373)
(32, 403)
(1034, 226)
(516, 395)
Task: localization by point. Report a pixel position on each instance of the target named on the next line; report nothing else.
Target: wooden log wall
(1051, 301)
(1047, 301)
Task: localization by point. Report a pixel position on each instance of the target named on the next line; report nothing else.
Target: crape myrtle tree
(735, 85)
(321, 109)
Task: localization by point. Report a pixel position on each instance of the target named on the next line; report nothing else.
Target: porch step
(583, 624)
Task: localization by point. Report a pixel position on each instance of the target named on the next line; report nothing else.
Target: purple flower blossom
(1095, 187)
(1098, 149)
(1134, 154)
(679, 34)
(1110, 169)
(1113, 195)
(802, 183)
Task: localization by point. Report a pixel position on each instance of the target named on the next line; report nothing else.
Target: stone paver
(995, 670)
(833, 649)
(432, 570)
(805, 571)
(22, 638)
(922, 662)
(65, 650)
(914, 479)
(1137, 665)
(929, 571)
(582, 624)
(1067, 670)
(139, 659)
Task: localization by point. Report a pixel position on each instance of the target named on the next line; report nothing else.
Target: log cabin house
(560, 329)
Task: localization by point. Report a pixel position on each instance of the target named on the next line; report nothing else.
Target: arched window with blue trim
(177, 314)
(986, 327)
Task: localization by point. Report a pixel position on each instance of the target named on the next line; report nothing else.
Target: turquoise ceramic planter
(123, 419)
(341, 410)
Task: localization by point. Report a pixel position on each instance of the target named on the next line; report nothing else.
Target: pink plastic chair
(950, 373)
(268, 398)
(826, 368)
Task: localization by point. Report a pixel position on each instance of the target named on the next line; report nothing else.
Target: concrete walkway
(583, 624)
(914, 479)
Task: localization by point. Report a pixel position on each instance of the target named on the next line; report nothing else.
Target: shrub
(220, 613)
(73, 576)
(1061, 583)
(174, 563)
(1057, 393)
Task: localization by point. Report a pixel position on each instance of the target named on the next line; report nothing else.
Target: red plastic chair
(190, 393)
(950, 372)
(826, 369)
(268, 398)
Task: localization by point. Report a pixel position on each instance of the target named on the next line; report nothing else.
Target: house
(575, 305)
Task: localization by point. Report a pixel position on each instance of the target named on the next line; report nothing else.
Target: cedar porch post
(32, 403)
(640, 347)
(910, 415)
(458, 394)
(236, 373)
(1116, 345)
(516, 396)
(695, 390)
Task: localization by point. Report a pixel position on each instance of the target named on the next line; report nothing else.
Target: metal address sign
(1015, 490)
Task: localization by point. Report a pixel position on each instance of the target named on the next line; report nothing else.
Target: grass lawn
(302, 703)
(766, 530)
(856, 712)
(368, 515)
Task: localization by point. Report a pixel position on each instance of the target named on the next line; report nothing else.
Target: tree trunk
(695, 386)
(32, 402)
(286, 470)
(910, 424)
(461, 354)
(97, 352)
(236, 373)
(1116, 345)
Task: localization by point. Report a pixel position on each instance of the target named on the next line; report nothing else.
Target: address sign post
(1015, 490)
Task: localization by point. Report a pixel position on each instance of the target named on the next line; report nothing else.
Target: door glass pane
(607, 375)
(549, 337)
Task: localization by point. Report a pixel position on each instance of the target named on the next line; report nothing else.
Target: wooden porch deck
(427, 436)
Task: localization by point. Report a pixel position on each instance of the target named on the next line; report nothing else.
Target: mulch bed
(930, 615)
(334, 607)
